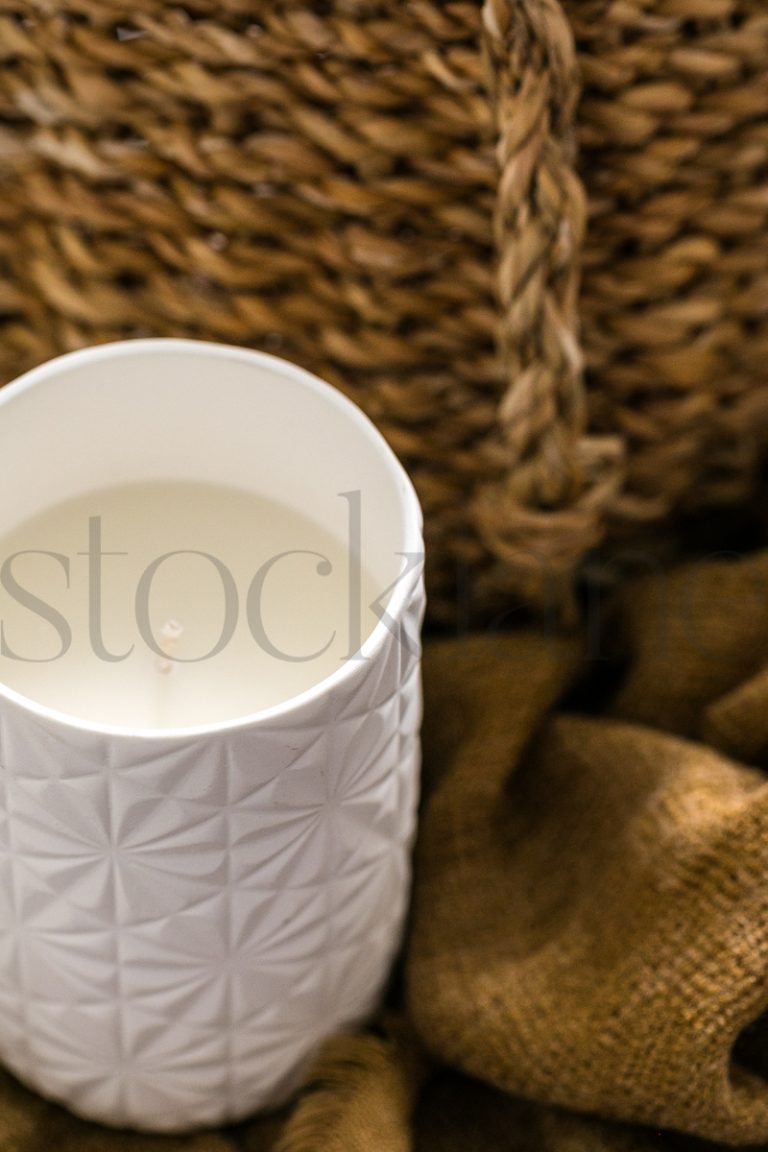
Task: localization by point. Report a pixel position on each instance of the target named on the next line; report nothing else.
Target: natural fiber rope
(548, 508)
(356, 185)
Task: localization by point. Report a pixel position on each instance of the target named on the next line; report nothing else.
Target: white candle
(204, 866)
(96, 662)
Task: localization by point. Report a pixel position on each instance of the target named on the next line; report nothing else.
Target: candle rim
(395, 607)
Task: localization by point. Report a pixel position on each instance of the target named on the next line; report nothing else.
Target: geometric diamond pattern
(182, 922)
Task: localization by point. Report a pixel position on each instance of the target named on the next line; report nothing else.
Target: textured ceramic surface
(182, 921)
(185, 915)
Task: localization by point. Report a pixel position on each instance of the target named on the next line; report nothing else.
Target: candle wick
(170, 634)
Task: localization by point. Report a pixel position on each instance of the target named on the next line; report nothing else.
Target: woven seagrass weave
(673, 134)
(385, 192)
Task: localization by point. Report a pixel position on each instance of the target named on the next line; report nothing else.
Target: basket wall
(385, 193)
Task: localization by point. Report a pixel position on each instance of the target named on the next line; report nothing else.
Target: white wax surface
(301, 608)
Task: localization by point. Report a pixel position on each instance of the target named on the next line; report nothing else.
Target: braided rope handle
(548, 507)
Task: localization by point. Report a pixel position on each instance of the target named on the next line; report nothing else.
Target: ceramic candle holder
(186, 914)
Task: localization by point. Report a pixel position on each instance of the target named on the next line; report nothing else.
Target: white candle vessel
(194, 890)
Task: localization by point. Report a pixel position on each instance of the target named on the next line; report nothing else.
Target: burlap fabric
(587, 961)
(386, 192)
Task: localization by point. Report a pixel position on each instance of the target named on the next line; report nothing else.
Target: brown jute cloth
(586, 968)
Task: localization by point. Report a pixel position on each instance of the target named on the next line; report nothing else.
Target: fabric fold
(591, 921)
(359, 1096)
(689, 636)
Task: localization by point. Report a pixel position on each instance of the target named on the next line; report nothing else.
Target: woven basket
(385, 193)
